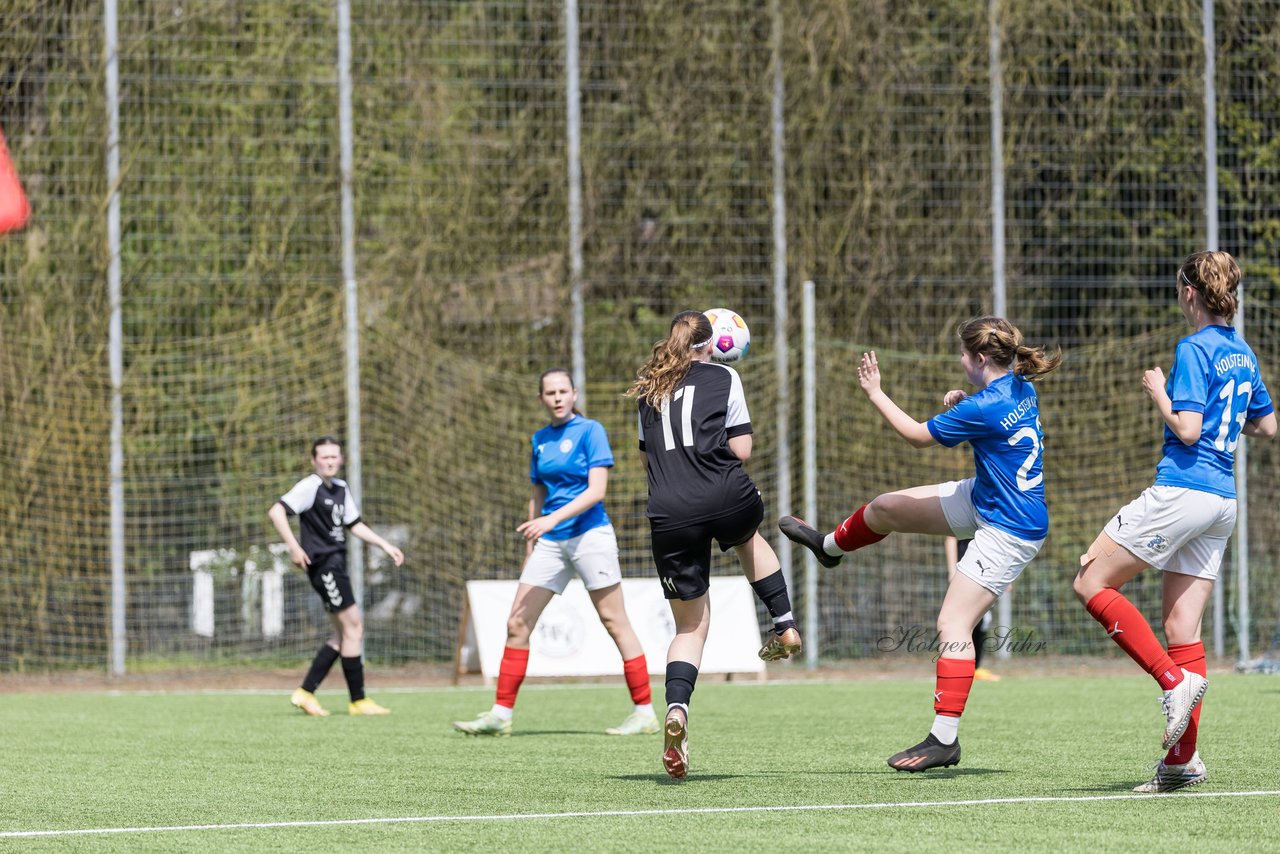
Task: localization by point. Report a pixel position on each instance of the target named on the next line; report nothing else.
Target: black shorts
(683, 555)
(328, 575)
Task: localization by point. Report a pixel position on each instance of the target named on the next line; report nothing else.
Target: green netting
(233, 304)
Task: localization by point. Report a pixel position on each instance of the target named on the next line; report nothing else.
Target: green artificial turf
(777, 753)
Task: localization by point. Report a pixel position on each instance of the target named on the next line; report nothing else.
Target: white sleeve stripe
(303, 495)
(736, 412)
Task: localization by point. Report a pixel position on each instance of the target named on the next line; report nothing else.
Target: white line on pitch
(427, 819)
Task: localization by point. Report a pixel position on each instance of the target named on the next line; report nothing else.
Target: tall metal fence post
(351, 318)
(1240, 546)
(809, 347)
(999, 300)
(573, 131)
(115, 344)
(781, 351)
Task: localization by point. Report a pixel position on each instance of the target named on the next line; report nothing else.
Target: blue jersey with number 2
(1002, 425)
(1216, 374)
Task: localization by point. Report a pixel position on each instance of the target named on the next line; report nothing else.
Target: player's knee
(612, 623)
(1087, 584)
(953, 625)
(882, 511)
(1081, 586)
(518, 630)
(1182, 627)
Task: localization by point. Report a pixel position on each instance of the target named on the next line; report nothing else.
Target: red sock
(854, 533)
(510, 674)
(1125, 626)
(955, 678)
(1189, 656)
(637, 672)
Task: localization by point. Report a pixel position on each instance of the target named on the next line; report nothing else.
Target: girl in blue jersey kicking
(1181, 524)
(1001, 508)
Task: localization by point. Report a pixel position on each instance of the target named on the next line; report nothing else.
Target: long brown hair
(669, 362)
(1215, 276)
(1001, 342)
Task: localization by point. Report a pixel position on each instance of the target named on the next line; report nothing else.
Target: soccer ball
(730, 337)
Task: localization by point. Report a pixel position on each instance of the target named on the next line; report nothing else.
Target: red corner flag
(14, 208)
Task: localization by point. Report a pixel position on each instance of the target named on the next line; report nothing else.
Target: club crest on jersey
(1158, 543)
(566, 446)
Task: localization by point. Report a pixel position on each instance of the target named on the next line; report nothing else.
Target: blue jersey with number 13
(1216, 374)
(1002, 425)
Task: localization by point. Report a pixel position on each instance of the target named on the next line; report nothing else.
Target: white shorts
(1176, 529)
(592, 556)
(995, 558)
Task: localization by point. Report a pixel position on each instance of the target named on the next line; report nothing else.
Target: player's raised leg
(1104, 569)
(917, 510)
(763, 570)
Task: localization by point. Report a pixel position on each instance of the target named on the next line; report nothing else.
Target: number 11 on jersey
(685, 395)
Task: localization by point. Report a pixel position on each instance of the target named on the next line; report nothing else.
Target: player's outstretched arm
(904, 425)
(365, 533)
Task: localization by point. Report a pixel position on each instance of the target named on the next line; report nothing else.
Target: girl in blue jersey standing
(1001, 509)
(1181, 524)
(568, 533)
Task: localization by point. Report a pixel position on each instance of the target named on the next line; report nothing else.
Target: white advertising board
(569, 639)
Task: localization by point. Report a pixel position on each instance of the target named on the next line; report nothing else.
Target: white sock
(646, 709)
(671, 706)
(783, 618)
(829, 545)
(946, 728)
(503, 712)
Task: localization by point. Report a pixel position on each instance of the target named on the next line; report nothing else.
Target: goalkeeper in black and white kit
(695, 433)
(326, 510)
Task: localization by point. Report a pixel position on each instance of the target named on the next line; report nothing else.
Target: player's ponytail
(670, 358)
(1001, 342)
(1216, 277)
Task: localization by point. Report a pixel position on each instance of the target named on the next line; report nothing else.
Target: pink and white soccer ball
(730, 337)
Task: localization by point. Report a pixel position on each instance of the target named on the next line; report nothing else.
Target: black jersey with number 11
(693, 476)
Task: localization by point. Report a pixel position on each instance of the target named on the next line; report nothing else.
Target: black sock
(320, 665)
(979, 640)
(353, 669)
(681, 677)
(773, 593)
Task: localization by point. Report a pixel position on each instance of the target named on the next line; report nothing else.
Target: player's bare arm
(597, 486)
(280, 520)
(916, 433)
(1263, 427)
(363, 532)
(1185, 425)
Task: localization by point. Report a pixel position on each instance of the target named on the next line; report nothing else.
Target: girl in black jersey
(695, 433)
(326, 511)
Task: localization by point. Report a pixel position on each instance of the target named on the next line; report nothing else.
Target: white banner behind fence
(570, 641)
